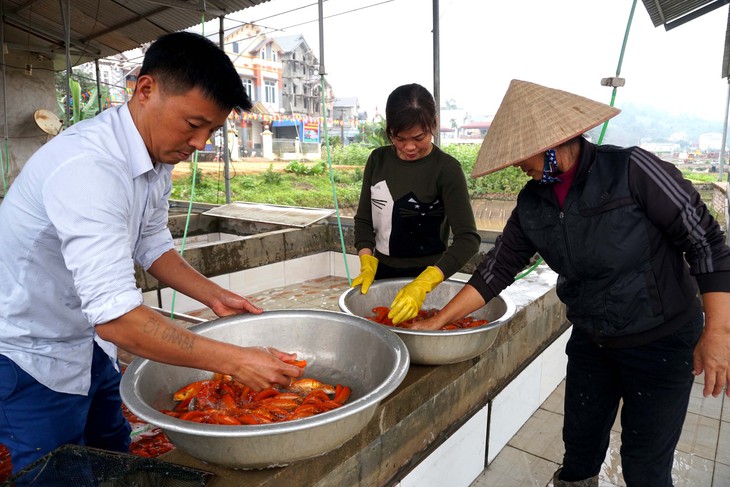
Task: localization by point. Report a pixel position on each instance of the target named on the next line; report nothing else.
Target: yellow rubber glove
(410, 298)
(368, 266)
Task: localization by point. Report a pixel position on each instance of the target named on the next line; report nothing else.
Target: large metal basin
(339, 348)
(440, 346)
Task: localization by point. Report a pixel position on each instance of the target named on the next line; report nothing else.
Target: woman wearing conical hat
(633, 245)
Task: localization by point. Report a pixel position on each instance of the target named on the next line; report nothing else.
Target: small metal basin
(439, 346)
(339, 348)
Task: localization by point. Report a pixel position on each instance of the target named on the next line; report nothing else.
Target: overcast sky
(372, 46)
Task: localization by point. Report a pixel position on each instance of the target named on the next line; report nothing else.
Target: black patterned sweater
(407, 210)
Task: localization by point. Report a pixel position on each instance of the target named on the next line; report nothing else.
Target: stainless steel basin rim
(372, 360)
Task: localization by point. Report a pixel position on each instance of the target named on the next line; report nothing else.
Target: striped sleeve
(675, 207)
(511, 253)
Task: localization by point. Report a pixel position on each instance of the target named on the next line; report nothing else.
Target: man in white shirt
(85, 208)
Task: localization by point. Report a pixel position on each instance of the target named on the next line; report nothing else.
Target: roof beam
(42, 33)
(695, 14)
(43, 50)
(22, 7)
(126, 23)
(185, 5)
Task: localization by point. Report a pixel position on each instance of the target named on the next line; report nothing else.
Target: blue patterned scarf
(550, 172)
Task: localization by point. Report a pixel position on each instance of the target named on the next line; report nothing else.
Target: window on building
(248, 86)
(263, 53)
(234, 46)
(273, 55)
(269, 92)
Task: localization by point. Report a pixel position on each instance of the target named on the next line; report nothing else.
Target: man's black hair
(182, 61)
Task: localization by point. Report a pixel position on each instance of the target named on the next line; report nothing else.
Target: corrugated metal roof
(672, 13)
(663, 12)
(101, 28)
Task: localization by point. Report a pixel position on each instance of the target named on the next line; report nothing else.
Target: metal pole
(322, 71)
(436, 71)
(226, 155)
(320, 11)
(98, 87)
(4, 161)
(724, 134)
(342, 126)
(67, 36)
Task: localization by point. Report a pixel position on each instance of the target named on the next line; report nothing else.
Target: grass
(309, 184)
(288, 188)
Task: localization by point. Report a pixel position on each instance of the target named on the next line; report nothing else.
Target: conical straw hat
(533, 119)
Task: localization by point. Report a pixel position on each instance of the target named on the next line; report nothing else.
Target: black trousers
(653, 380)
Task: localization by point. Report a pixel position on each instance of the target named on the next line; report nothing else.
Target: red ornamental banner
(271, 118)
(298, 118)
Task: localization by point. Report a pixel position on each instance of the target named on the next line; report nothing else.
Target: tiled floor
(535, 452)
(531, 457)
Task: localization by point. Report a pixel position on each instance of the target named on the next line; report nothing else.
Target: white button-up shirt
(85, 207)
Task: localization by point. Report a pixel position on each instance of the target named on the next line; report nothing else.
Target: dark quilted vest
(599, 246)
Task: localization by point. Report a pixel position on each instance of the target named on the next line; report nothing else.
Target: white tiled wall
(512, 407)
(458, 461)
(265, 277)
(183, 303)
(306, 268)
(554, 362)
(338, 265)
(258, 279)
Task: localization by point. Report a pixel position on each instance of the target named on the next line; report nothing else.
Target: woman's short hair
(410, 106)
(182, 61)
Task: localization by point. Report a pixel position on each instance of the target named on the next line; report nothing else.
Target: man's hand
(228, 304)
(261, 367)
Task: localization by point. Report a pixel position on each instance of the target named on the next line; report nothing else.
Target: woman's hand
(433, 323)
(712, 353)
(466, 301)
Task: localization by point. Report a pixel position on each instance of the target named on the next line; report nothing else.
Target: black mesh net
(79, 466)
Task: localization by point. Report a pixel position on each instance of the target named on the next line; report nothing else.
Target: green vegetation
(700, 177)
(81, 82)
(299, 185)
(308, 184)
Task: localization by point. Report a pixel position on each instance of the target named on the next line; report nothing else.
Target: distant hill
(641, 122)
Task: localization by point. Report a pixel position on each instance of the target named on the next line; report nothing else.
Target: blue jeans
(653, 380)
(34, 420)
